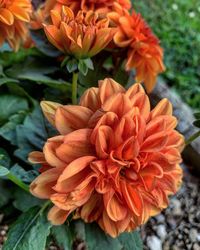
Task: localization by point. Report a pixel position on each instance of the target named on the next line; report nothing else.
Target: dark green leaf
(9, 105)
(4, 158)
(5, 80)
(24, 176)
(64, 62)
(96, 239)
(29, 232)
(32, 134)
(24, 200)
(5, 193)
(8, 130)
(64, 236)
(131, 241)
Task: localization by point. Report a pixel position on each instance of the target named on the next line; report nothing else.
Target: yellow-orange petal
(36, 157)
(164, 107)
(49, 110)
(90, 99)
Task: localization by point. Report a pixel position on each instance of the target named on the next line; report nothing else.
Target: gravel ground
(176, 228)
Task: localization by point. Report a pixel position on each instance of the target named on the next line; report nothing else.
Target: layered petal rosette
(14, 16)
(144, 52)
(115, 162)
(82, 36)
(101, 6)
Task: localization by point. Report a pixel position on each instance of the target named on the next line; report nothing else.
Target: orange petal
(108, 87)
(76, 144)
(41, 187)
(115, 208)
(155, 142)
(164, 107)
(36, 157)
(6, 16)
(20, 13)
(134, 89)
(109, 226)
(132, 198)
(69, 118)
(50, 151)
(57, 216)
(90, 99)
(54, 36)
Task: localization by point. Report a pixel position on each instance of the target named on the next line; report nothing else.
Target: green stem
(192, 138)
(74, 87)
(18, 182)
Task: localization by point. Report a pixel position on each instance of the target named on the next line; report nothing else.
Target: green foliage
(29, 232)
(63, 236)
(176, 23)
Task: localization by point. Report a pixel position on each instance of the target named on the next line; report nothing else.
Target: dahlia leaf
(10, 105)
(131, 241)
(63, 236)
(72, 65)
(31, 135)
(197, 123)
(4, 158)
(98, 240)
(24, 200)
(83, 67)
(29, 232)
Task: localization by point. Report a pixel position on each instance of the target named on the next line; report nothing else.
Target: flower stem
(74, 87)
(18, 182)
(192, 138)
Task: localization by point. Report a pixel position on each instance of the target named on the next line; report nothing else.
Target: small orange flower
(115, 161)
(14, 14)
(144, 51)
(83, 35)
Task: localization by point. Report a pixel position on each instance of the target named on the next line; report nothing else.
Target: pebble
(160, 218)
(154, 243)
(176, 207)
(193, 235)
(161, 232)
(196, 247)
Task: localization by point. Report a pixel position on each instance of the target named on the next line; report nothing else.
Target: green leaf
(82, 66)
(32, 134)
(9, 105)
(3, 171)
(131, 241)
(4, 158)
(64, 62)
(72, 65)
(24, 200)
(8, 130)
(98, 240)
(6, 193)
(29, 232)
(24, 176)
(5, 80)
(63, 236)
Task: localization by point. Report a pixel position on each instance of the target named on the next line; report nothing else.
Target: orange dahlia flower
(100, 6)
(115, 161)
(83, 35)
(14, 14)
(144, 51)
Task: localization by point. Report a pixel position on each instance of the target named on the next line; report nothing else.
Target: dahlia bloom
(115, 161)
(144, 51)
(14, 16)
(82, 36)
(99, 6)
